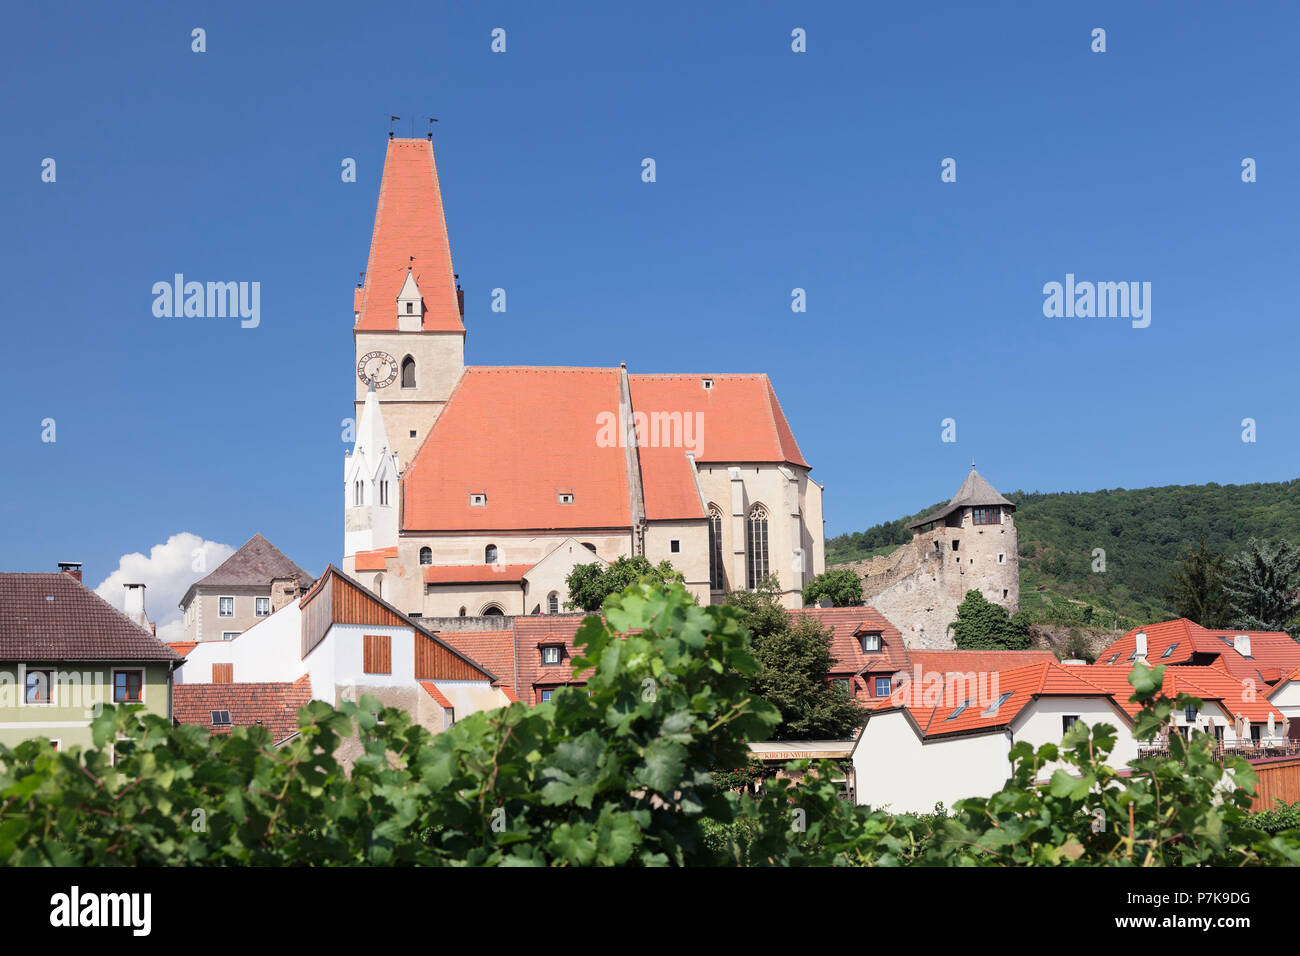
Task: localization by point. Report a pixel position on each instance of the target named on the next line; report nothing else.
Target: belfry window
(426, 555)
(408, 369)
(756, 553)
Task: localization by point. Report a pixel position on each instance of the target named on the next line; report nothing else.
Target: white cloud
(167, 573)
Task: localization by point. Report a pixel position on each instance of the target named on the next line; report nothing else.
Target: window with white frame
(225, 607)
(551, 654)
(229, 635)
(262, 606)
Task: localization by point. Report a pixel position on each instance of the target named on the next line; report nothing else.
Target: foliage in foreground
(623, 776)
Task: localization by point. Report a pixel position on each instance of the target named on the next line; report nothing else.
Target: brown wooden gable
(435, 661)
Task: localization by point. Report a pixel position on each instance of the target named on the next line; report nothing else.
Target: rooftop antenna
(431, 122)
(391, 121)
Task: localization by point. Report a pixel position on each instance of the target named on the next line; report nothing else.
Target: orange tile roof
(374, 560)
(275, 705)
(961, 662)
(409, 221)
(474, 573)
(184, 647)
(544, 422)
(1273, 653)
(1022, 683)
(494, 650)
(436, 694)
(1206, 682)
(741, 419)
(847, 624)
(528, 632)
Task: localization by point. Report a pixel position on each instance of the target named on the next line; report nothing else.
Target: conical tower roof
(975, 492)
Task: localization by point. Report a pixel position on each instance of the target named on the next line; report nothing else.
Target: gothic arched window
(426, 555)
(490, 554)
(756, 552)
(493, 611)
(408, 372)
(716, 581)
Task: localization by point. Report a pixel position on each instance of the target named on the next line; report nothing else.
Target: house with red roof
(335, 643)
(474, 490)
(1259, 658)
(949, 737)
(65, 652)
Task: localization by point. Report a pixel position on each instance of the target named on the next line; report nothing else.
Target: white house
(349, 642)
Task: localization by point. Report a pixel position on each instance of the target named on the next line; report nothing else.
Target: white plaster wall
(1041, 723)
(345, 645)
(895, 769)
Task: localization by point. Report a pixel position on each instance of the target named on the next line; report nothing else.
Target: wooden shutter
(377, 654)
(223, 673)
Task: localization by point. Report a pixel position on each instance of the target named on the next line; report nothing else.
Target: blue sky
(775, 170)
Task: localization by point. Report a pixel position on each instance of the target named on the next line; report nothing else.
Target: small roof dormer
(410, 305)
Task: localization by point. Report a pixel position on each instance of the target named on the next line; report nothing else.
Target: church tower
(370, 486)
(408, 330)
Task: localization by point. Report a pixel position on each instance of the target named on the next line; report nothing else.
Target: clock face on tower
(379, 364)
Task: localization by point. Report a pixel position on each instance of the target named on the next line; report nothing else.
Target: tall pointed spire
(410, 238)
(372, 439)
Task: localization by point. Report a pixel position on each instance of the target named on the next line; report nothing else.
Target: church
(475, 490)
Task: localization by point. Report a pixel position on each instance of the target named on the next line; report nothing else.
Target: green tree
(590, 584)
(1196, 588)
(794, 663)
(983, 625)
(1263, 586)
(841, 585)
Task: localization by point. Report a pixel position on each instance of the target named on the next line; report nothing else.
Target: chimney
(1241, 644)
(1142, 646)
(71, 568)
(134, 605)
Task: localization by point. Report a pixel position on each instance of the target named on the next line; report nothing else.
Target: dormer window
(410, 308)
(566, 498)
(870, 643)
(551, 654)
(707, 383)
(477, 500)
